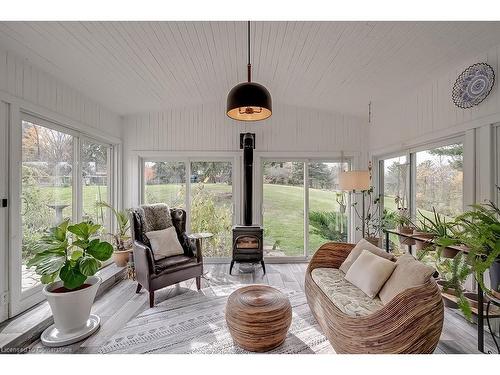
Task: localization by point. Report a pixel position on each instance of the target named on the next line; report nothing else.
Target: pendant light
(249, 101)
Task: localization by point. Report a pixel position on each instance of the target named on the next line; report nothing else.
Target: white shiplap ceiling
(136, 67)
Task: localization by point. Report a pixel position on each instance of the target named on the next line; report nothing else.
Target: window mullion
(77, 181)
(306, 209)
(187, 198)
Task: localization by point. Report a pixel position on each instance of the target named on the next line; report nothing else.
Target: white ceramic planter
(71, 310)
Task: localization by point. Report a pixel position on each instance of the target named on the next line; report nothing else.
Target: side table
(199, 237)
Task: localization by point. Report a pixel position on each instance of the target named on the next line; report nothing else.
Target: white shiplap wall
(427, 112)
(290, 131)
(34, 90)
(207, 128)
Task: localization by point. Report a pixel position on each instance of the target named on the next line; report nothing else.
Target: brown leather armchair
(154, 274)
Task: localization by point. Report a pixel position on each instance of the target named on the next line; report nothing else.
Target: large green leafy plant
(479, 230)
(70, 252)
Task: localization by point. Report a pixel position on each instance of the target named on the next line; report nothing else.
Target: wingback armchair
(155, 274)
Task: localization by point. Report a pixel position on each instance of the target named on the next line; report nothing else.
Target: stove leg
(263, 266)
(231, 267)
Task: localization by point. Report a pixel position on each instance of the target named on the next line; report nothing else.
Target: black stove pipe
(248, 144)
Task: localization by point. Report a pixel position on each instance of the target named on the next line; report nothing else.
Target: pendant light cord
(249, 66)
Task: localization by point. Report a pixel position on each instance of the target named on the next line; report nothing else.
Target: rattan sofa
(410, 323)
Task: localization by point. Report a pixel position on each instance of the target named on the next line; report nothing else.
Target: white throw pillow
(356, 252)
(165, 243)
(370, 272)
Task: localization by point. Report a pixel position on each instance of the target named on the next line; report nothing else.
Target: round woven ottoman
(258, 317)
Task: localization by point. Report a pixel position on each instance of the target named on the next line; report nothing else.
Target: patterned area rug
(194, 322)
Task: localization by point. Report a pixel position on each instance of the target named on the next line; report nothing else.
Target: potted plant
(405, 226)
(479, 230)
(374, 221)
(431, 228)
(67, 258)
(120, 237)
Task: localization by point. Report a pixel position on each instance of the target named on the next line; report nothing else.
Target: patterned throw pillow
(156, 217)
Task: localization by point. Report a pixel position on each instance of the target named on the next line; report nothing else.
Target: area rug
(194, 322)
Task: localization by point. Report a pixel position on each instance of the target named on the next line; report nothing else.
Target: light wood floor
(120, 304)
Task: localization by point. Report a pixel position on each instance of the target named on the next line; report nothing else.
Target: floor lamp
(356, 181)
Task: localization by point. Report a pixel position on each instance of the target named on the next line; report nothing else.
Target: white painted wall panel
(427, 112)
(207, 128)
(22, 80)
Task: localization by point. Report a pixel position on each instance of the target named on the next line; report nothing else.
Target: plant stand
(480, 294)
(52, 337)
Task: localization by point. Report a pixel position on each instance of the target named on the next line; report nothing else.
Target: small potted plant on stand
(405, 226)
(120, 238)
(67, 258)
(431, 228)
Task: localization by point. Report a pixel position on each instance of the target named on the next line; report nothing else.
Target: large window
(439, 180)
(46, 187)
(299, 217)
(423, 180)
(497, 161)
(395, 188)
(328, 219)
(62, 176)
(206, 195)
(212, 205)
(165, 181)
(95, 181)
(283, 208)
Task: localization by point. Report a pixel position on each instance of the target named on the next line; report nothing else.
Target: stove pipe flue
(247, 143)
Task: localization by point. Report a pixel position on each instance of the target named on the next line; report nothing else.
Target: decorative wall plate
(473, 85)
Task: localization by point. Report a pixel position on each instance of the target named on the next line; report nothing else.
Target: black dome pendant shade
(249, 101)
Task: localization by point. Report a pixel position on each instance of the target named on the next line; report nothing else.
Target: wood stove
(248, 239)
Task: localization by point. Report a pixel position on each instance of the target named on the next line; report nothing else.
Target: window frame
(187, 160)
(20, 300)
(411, 154)
(305, 160)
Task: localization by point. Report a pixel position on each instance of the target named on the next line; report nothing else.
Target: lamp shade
(354, 180)
(249, 101)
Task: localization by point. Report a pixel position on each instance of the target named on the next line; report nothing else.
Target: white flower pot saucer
(54, 338)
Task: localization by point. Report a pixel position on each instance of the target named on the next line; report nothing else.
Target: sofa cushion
(370, 272)
(356, 252)
(408, 273)
(345, 296)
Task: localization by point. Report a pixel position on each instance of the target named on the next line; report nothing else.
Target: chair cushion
(356, 252)
(346, 297)
(172, 262)
(408, 273)
(165, 243)
(370, 272)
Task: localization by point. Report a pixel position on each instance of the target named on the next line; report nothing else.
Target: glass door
(95, 182)
(328, 219)
(283, 208)
(58, 174)
(395, 184)
(47, 196)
